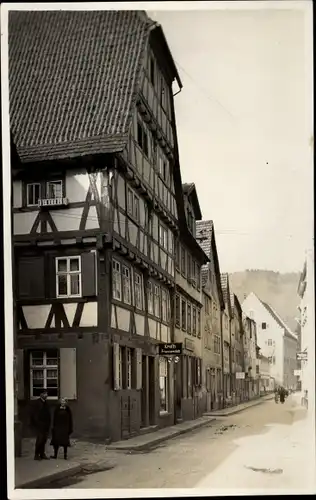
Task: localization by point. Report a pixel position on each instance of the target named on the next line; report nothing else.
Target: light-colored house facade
(275, 339)
(211, 318)
(306, 324)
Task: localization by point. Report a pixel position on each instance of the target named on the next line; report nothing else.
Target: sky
(244, 128)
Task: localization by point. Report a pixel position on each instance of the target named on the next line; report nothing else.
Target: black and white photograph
(158, 248)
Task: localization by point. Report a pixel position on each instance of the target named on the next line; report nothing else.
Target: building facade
(306, 325)
(237, 340)
(213, 305)
(275, 339)
(228, 377)
(97, 209)
(190, 398)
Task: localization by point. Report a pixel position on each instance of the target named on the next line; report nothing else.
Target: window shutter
(88, 274)
(139, 368)
(116, 367)
(68, 373)
(31, 274)
(20, 374)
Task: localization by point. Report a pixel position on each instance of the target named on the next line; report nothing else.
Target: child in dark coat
(62, 428)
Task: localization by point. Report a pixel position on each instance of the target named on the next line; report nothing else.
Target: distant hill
(278, 289)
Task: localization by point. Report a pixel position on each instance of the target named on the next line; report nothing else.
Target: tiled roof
(279, 320)
(204, 231)
(204, 274)
(73, 78)
(224, 283)
(187, 187)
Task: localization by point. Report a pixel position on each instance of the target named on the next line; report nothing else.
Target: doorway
(152, 389)
(144, 395)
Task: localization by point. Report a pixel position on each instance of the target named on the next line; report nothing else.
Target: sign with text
(170, 349)
(301, 356)
(240, 375)
(297, 373)
(189, 344)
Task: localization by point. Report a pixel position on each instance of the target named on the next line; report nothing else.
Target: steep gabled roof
(189, 190)
(226, 291)
(205, 235)
(279, 320)
(73, 80)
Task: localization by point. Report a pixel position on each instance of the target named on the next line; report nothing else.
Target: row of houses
(111, 256)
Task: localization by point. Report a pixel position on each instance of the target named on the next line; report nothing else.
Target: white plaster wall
(123, 318)
(140, 324)
(17, 194)
(36, 316)
(252, 305)
(68, 219)
(77, 185)
(23, 222)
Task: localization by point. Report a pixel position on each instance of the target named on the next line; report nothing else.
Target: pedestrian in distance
(276, 395)
(282, 395)
(41, 421)
(62, 428)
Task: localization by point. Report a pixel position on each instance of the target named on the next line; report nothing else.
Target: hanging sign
(170, 349)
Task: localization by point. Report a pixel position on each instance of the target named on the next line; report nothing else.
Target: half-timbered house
(237, 351)
(213, 305)
(97, 208)
(227, 342)
(188, 304)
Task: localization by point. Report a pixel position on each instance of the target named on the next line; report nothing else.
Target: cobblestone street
(259, 448)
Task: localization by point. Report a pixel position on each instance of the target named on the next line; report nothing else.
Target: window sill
(164, 413)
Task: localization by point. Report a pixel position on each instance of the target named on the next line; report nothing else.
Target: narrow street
(257, 448)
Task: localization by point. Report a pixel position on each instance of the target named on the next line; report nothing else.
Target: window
(189, 327)
(128, 368)
(33, 194)
(152, 73)
(142, 137)
(150, 298)
(198, 276)
(68, 277)
(194, 321)
(164, 305)
(199, 323)
(126, 285)
(270, 342)
(44, 373)
(163, 384)
(163, 167)
(157, 301)
(189, 263)
(206, 304)
(54, 189)
(178, 314)
(182, 260)
(116, 279)
(132, 204)
(163, 237)
(138, 291)
(217, 345)
(264, 326)
(273, 360)
(177, 255)
(183, 314)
